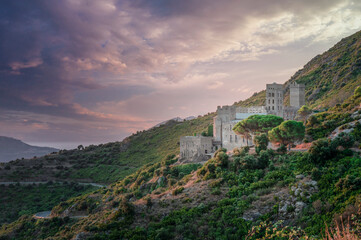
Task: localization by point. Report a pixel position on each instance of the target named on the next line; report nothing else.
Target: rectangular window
(235, 138)
(230, 138)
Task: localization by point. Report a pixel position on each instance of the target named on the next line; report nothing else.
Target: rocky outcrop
(289, 201)
(291, 205)
(347, 127)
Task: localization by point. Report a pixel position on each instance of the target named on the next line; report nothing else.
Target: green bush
(321, 151)
(261, 142)
(177, 191)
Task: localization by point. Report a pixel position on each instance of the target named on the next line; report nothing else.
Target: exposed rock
(349, 127)
(82, 236)
(299, 206)
(290, 205)
(160, 180)
(251, 215)
(283, 209)
(300, 176)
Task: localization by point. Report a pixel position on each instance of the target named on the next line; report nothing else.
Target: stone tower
(224, 114)
(274, 99)
(297, 95)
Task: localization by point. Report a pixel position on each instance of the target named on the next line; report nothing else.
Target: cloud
(215, 85)
(117, 62)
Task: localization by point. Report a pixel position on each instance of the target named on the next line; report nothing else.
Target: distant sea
(62, 145)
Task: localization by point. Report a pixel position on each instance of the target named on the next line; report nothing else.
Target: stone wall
(297, 95)
(195, 147)
(230, 139)
(290, 113)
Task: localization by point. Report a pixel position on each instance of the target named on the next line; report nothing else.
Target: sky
(87, 71)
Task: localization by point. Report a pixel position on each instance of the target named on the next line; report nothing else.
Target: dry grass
(343, 232)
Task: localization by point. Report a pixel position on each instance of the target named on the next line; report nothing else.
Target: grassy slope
(330, 78)
(109, 162)
(19, 200)
(257, 99)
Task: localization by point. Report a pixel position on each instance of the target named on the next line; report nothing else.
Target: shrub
(321, 151)
(222, 160)
(357, 91)
(344, 140)
(261, 142)
(126, 207)
(243, 151)
(177, 191)
(216, 191)
(248, 162)
(263, 159)
(282, 149)
(149, 202)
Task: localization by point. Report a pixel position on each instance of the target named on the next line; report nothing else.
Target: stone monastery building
(197, 148)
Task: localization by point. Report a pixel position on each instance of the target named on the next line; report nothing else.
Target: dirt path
(46, 215)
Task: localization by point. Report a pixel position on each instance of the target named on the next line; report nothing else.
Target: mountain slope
(330, 78)
(106, 163)
(228, 195)
(11, 149)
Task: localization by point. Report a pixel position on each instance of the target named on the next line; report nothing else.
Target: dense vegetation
(266, 194)
(245, 179)
(19, 200)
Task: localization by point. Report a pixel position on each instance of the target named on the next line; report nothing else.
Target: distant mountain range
(11, 149)
(176, 119)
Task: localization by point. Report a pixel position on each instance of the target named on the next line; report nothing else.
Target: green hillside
(108, 162)
(331, 77)
(271, 193)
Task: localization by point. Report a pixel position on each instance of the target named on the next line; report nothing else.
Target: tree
(210, 130)
(304, 112)
(256, 124)
(357, 92)
(287, 132)
(261, 142)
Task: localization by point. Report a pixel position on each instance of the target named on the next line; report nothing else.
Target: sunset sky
(87, 71)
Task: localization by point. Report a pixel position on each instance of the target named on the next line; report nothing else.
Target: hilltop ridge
(330, 77)
(11, 149)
